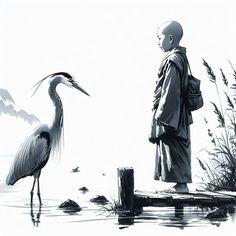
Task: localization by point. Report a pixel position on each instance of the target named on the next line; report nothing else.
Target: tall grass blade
(229, 101)
(224, 79)
(210, 72)
(220, 117)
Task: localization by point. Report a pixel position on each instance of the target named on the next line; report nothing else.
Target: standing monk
(171, 118)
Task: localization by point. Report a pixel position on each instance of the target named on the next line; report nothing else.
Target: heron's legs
(39, 196)
(32, 193)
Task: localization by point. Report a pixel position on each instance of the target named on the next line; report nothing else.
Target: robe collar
(172, 56)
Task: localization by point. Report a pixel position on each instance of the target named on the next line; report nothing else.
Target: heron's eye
(73, 81)
(70, 80)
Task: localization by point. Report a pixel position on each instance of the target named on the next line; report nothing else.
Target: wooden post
(126, 189)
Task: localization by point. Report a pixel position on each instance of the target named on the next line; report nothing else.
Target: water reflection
(170, 217)
(125, 219)
(179, 212)
(35, 215)
(15, 205)
(178, 216)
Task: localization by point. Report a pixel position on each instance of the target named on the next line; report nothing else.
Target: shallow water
(17, 216)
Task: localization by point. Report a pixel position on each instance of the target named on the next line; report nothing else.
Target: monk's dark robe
(173, 153)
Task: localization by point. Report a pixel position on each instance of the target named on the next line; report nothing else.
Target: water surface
(17, 215)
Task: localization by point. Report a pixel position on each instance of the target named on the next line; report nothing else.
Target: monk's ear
(171, 39)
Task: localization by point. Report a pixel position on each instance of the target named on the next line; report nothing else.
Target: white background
(111, 48)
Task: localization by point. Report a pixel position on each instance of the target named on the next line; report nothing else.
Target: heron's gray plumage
(32, 155)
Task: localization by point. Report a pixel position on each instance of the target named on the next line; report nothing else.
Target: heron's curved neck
(57, 122)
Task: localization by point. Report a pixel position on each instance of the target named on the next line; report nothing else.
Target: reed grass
(220, 167)
(113, 206)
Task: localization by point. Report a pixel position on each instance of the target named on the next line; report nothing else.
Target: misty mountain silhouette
(9, 107)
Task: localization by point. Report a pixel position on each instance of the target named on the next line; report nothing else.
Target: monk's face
(164, 41)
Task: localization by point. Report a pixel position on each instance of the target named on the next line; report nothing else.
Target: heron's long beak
(75, 85)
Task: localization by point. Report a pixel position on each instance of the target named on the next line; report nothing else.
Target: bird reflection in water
(35, 215)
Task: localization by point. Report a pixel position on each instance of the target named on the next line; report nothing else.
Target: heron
(45, 140)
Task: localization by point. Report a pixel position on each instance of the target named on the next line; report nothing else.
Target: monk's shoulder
(177, 59)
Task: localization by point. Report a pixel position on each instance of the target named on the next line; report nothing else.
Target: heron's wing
(31, 156)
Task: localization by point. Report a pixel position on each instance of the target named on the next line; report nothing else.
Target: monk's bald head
(172, 28)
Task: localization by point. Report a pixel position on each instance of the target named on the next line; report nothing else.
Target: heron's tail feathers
(10, 180)
(12, 176)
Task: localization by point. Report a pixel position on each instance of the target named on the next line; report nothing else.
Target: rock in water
(99, 199)
(83, 189)
(70, 205)
(216, 214)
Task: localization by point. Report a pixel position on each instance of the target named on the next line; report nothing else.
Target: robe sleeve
(168, 111)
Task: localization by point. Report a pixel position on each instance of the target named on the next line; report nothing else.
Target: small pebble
(83, 189)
